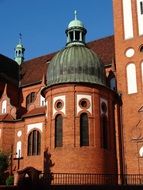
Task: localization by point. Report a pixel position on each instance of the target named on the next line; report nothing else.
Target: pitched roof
(6, 117)
(32, 71)
(104, 48)
(35, 111)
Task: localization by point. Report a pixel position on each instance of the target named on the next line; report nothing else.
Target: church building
(79, 110)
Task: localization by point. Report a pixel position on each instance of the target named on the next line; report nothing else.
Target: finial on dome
(75, 15)
(20, 38)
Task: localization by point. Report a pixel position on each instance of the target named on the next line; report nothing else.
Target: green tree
(10, 180)
(4, 163)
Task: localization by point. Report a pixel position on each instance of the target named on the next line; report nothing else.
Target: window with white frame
(4, 106)
(141, 7)
(142, 70)
(140, 16)
(42, 101)
(141, 152)
(18, 149)
(131, 78)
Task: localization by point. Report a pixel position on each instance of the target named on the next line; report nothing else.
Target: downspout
(121, 140)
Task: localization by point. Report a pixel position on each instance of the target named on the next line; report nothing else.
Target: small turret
(19, 51)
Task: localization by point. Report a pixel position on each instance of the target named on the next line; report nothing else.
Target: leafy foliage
(10, 180)
(4, 163)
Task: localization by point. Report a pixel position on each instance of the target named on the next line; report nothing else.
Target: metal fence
(93, 179)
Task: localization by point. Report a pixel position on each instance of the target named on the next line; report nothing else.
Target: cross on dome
(20, 38)
(75, 15)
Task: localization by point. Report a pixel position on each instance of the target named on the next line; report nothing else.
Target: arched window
(113, 83)
(131, 78)
(77, 35)
(42, 101)
(84, 131)
(30, 98)
(141, 48)
(142, 70)
(18, 149)
(111, 80)
(34, 143)
(104, 132)
(4, 106)
(58, 131)
(141, 152)
(71, 36)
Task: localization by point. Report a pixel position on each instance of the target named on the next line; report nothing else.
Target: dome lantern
(75, 32)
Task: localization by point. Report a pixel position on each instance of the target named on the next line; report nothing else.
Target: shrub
(10, 180)
(4, 162)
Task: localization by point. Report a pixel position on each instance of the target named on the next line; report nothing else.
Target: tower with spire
(19, 51)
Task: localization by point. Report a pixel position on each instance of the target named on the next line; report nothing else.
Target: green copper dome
(75, 63)
(75, 22)
(19, 46)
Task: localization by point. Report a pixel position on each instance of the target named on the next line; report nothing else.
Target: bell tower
(19, 51)
(128, 27)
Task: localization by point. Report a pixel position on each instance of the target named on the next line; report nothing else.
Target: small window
(18, 149)
(84, 134)
(141, 7)
(42, 101)
(71, 36)
(113, 83)
(111, 80)
(34, 143)
(141, 48)
(141, 152)
(131, 78)
(19, 52)
(59, 104)
(104, 107)
(77, 35)
(4, 106)
(84, 103)
(30, 98)
(58, 131)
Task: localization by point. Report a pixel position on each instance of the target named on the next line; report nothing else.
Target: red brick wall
(8, 132)
(34, 161)
(71, 157)
(131, 102)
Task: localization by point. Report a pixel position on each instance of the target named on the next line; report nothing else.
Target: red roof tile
(32, 71)
(35, 111)
(6, 117)
(104, 48)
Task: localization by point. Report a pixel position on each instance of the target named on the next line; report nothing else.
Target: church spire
(19, 51)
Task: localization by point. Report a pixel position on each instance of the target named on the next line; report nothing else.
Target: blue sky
(43, 23)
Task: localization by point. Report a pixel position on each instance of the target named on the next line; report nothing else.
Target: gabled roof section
(9, 69)
(32, 71)
(35, 112)
(6, 117)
